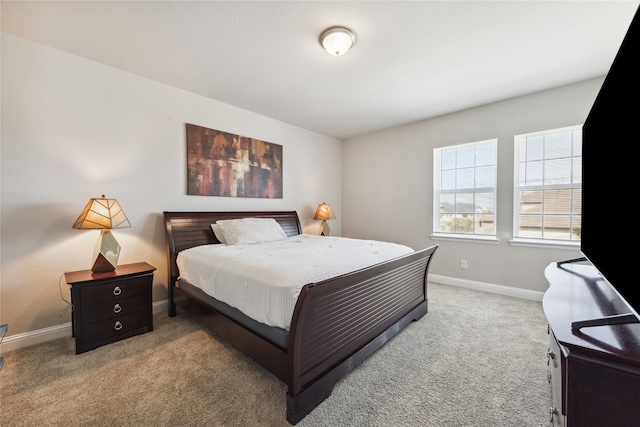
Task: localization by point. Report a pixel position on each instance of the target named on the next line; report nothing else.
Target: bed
(336, 323)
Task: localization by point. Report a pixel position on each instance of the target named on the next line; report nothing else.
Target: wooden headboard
(185, 230)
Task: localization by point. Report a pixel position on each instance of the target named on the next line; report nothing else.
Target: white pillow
(219, 234)
(249, 231)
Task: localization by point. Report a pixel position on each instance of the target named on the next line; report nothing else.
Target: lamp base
(106, 253)
(324, 228)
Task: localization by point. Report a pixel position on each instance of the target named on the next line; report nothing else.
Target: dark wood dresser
(594, 371)
(108, 307)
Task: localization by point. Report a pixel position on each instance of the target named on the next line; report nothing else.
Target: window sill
(550, 244)
(466, 238)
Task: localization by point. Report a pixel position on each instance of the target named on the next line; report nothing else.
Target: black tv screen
(611, 171)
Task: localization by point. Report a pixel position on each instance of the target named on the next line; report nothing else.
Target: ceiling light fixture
(337, 40)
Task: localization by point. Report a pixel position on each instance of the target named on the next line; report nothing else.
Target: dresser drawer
(113, 327)
(115, 290)
(555, 361)
(117, 308)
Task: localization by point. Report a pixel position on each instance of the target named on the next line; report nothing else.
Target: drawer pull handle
(117, 308)
(117, 290)
(117, 326)
(550, 355)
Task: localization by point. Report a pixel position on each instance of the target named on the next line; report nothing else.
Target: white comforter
(264, 280)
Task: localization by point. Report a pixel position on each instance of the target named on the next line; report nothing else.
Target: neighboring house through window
(465, 190)
(548, 187)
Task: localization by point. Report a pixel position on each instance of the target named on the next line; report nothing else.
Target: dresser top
(578, 292)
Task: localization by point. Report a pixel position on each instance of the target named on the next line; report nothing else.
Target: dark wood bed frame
(336, 324)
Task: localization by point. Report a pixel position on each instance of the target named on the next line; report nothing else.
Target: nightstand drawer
(121, 325)
(115, 290)
(111, 309)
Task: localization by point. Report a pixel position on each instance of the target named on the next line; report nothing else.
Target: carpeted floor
(476, 359)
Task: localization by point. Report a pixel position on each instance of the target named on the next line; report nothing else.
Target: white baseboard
(27, 339)
(488, 287)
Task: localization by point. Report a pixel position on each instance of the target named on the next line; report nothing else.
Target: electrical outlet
(463, 263)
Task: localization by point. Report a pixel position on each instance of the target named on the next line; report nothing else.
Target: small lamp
(103, 214)
(324, 212)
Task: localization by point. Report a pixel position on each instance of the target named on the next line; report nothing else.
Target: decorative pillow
(219, 234)
(249, 231)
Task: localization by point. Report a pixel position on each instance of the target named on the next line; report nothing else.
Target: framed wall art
(227, 165)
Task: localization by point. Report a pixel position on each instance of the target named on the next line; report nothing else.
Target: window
(548, 188)
(464, 189)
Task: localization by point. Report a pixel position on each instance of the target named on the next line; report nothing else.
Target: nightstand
(109, 307)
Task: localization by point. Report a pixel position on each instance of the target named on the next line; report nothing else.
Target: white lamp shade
(102, 213)
(324, 212)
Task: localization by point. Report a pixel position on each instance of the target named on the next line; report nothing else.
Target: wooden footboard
(336, 324)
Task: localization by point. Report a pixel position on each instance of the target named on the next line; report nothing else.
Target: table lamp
(324, 212)
(103, 214)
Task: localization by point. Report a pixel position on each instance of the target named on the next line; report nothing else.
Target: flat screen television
(610, 172)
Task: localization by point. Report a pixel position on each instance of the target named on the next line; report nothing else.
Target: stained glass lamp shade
(324, 212)
(103, 214)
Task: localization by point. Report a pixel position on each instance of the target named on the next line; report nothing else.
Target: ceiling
(412, 59)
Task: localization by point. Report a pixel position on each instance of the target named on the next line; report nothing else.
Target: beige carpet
(475, 359)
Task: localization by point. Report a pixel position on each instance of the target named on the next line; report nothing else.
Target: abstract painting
(227, 165)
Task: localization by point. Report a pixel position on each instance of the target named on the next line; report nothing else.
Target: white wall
(73, 129)
(388, 184)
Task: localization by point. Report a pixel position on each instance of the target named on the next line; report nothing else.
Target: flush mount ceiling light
(337, 40)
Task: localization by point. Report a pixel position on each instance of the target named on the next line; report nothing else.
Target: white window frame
(543, 162)
(472, 189)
